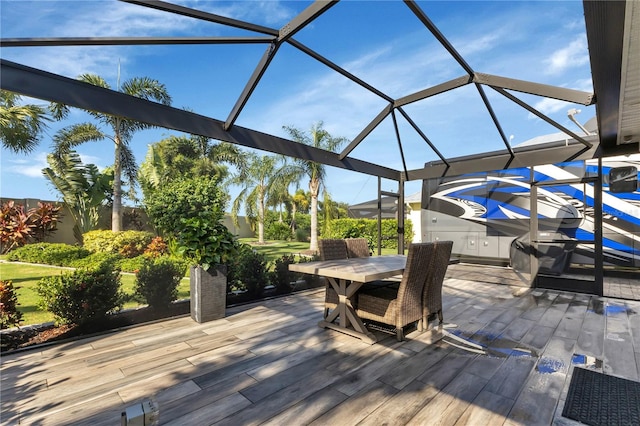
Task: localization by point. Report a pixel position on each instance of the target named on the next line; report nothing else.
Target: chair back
(357, 247)
(437, 270)
(332, 249)
(419, 258)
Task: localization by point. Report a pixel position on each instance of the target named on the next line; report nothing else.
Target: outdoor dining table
(346, 276)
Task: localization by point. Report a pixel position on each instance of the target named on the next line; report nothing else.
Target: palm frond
(68, 138)
(20, 125)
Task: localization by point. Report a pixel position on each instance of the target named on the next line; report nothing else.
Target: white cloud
(481, 44)
(575, 54)
(584, 84)
(73, 61)
(550, 106)
(31, 166)
(269, 12)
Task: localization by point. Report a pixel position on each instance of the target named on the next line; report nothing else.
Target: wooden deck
(269, 363)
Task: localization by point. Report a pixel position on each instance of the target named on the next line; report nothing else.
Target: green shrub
(157, 281)
(185, 198)
(277, 231)
(49, 254)
(83, 296)
(281, 277)
(126, 243)
(99, 241)
(303, 221)
(131, 265)
(248, 271)
(312, 279)
(94, 260)
(10, 316)
(302, 235)
(368, 228)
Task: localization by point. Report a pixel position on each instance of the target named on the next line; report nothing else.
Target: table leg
(349, 322)
(342, 303)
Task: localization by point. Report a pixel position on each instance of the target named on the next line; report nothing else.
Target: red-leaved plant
(18, 227)
(10, 316)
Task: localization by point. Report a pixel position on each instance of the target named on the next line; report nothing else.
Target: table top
(359, 269)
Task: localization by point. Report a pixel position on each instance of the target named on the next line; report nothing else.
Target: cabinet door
(489, 247)
(464, 243)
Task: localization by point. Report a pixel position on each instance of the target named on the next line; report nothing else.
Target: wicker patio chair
(357, 247)
(432, 294)
(331, 249)
(401, 307)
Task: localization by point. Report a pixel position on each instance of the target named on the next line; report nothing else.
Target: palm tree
(21, 125)
(255, 183)
(300, 200)
(83, 188)
(121, 129)
(180, 156)
(278, 197)
(318, 138)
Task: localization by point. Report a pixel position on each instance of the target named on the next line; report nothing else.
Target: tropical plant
(205, 242)
(255, 183)
(18, 227)
(316, 172)
(156, 248)
(189, 212)
(185, 198)
(45, 218)
(20, 125)
(121, 132)
(177, 157)
(299, 201)
(279, 197)
(83, 188)
(15, 227)
(10, 316)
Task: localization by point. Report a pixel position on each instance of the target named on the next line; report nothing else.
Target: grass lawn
(275, 249)
(26, 276)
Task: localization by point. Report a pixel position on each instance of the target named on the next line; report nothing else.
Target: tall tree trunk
(314, 186)
(261, 218)
(293, 218)
(116, 212)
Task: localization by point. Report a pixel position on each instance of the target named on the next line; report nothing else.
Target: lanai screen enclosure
(394, 141)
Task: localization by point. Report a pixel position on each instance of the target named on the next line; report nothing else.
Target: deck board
(269, 363)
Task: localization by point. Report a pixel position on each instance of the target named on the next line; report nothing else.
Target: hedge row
(59, 254)
(368, 228)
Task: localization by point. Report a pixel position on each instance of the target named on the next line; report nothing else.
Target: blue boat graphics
(494, 207)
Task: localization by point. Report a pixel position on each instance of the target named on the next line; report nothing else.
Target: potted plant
(208, 244)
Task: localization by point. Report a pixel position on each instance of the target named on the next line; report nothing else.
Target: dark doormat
(597, 399)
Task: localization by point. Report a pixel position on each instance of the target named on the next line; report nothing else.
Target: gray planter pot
(208, 293)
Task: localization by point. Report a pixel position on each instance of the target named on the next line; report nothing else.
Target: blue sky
(381, 42)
